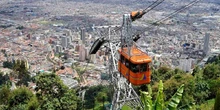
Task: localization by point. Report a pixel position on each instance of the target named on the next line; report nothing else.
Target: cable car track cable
(177, 11)
(168, 16)
(148, 9)
(152, 6)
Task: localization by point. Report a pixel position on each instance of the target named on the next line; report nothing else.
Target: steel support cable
(177, 11)
(152, 6)
(146, 10)
(168, 16)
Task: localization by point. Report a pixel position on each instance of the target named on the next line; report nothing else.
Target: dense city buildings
(49, 35)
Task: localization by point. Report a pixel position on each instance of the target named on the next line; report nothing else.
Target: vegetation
(20, 99)
(207, 105)
(7, 64)
(201, 90)
(200, 86)
(20, 71)
(217, 101)
(51, 94)
(159, 103)
(4, 79)
(20, 27)
(95, 96)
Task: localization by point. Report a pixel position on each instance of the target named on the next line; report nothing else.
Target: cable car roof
(136, 56)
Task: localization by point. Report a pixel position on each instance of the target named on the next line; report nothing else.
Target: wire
(177, 11)
(152, 6)
(168, 16)
(146, 10)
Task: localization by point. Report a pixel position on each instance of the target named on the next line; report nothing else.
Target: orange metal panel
(135, 78)
(136, 55)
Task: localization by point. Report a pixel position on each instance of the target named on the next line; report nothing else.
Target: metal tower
(124, 93)
(123, 90)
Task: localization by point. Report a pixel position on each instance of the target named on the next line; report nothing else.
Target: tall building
(64, 42)
(82, 53)
(68, 41)
(185, 38)
(185, 64)
(58, 49)
(206, 44)
(68, 32)
(93, 58)
(49, 48)
(82, 36)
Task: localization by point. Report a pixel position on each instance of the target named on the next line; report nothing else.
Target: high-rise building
(82, 36)
(68, 41)
(58, 49)
(206, 44)
(93, 58)
(186, 38)
(68, 32)
(64, 42)
(185, 64)
(49, 48)
(82, 53)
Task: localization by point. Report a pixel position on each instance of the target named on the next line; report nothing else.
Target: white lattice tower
(123, 90)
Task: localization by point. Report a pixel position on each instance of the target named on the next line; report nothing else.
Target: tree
(53, 94)
(100, 96)
(171, 85)
(217, 100)
(7, 64)
(163, 70)
(214, 86)
(159, 104)
(3, 78)
(33, 104)
(4, 95)
(211, 71)
(202, 90)
(19, 98)
(91, 95)
(164, 73)
(214, 59)
(50, 85)
(195, 70)
(96, 94)
(20, 71)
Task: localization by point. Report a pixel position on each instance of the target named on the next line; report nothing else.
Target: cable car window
(134, 67)
(143, 67)
(127, 63)
(122, 59)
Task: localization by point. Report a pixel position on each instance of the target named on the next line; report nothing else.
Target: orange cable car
(135, 67)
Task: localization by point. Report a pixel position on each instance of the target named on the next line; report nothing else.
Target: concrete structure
(82, 36)
(206, 44)
(93, 58)
(64, 42)
(69, 82)
(186, 64)
(58, 48)
(82, 53)
(68, 32)
(49, 48)
(68, 41)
